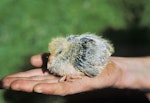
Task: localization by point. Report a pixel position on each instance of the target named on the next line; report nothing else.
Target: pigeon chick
(78, 55)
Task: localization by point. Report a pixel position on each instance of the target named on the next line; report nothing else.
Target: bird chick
(78, 55)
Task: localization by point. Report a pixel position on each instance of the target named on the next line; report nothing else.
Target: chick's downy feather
(85, 54)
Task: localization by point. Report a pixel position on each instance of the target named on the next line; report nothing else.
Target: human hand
(42, 82)
(119, 73)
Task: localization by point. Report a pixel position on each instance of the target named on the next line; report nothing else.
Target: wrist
(134, 72)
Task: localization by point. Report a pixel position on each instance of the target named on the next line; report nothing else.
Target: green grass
(26, 26)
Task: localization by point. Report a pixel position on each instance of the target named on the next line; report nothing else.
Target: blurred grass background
(26, 27)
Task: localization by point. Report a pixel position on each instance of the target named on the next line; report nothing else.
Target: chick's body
(85, 54)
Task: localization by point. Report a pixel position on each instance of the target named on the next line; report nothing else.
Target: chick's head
(58, 46)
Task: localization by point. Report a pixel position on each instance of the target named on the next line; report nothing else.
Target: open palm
(36, 80)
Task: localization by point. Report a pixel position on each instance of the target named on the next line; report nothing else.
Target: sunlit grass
(26, 26)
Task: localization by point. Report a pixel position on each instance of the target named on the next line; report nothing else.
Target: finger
(48, 77)
(61, 88)
(40, 60)
(36, 60)
(29, 73)
(27, 85)
(52, 89)
(6, 81)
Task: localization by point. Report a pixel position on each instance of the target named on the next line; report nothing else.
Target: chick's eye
(59, 51)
